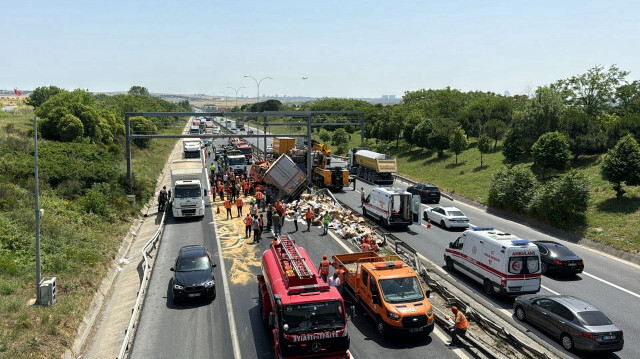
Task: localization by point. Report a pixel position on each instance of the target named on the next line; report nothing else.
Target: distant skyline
(343, 49)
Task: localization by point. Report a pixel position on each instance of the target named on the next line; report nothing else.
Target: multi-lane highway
(207, 330)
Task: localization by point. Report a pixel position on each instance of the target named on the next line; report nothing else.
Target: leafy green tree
(411, 121)
(628, 98)
(585, 134)
(420, 134)
(340, 137)
(141, 125)
(594, 91)
(458, 142)
(562, 201)
(484, 145)
(621, 165)
(495, 129)
(439, 140)
(324, 136)
(512, 188)
(511, 148)
(41, 94)
(618, 127)
(70, 128)
(540, 115)
(551, 150)
(138, 90)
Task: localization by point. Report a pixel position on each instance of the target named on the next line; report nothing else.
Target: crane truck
(306, 316)
(326, 174)
(389, 291)
(371, 166)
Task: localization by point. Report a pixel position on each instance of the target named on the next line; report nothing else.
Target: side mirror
(271, 319)
(173, 270)
(450, 244)
(204, 191)
(427, 293)
(214, 265)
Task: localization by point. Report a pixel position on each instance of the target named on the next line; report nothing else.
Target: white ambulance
(389, 206)
(502, 262)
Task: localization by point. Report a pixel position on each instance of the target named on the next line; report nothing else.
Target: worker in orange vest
(366, 247)
(247, 226)
(324, 268)
(239, 204)
(459, 328)
(340, 272)
(374, 246)
(221, 191)
(227, 205)
(246, 188)
(258, 198)
(309, 216)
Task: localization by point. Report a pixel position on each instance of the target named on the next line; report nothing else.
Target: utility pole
(38, 275)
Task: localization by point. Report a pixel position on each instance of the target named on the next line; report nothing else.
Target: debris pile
(343, 221)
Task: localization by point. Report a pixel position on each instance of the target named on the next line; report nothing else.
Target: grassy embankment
(76, 247)
(609, 221)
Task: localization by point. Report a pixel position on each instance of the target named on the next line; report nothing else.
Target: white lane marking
(227, 292)
(550, 290)
(445, 338)
(613, 285)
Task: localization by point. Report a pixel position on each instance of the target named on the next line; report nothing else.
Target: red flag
(15, 90)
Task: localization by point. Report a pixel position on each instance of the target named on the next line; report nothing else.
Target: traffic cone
(218, 211)
(428, 221)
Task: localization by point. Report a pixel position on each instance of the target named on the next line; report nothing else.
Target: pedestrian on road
(296, 216)
(340, 272)
(325, 222)
(239, 205)
(261, 226)
(374, 246)
(309, 217)
(255, 226)
(277, 221)
(233, 192)
(246, 188)
(323, 269)
(362, 197)
(227, 205)
(238, 189)
(258, 197)
(269, 216)
(459, 327)
(221, 191)
(253, 209)
(334, 281)
(213, 191)
(247, 226)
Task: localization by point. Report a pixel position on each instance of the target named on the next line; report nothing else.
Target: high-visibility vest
(365, 240)
(260, 221)
(340, 272)
(247, 221)
(366, 247)
(309, 215)
(374, 246)
(324, 267)
(258, 195)
(219, 188)
(239, 202)
(461, 320)
(227, 204)
(278, 206)
(246, 185)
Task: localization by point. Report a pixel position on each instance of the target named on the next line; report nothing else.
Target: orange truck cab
(389, 291)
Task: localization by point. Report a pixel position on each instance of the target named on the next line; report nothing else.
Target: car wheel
(173, 296)
(380, 327)
(450, 266)
(521, 314)
(488, 287)
(544, 267)
(567, 342)
(442, 224)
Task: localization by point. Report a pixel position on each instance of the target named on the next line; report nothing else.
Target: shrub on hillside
(512, 188)
(142, 126)
(562, 201)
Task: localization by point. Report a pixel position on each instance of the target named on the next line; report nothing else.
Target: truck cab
(389, 291)
(390, 206)
(237, 163)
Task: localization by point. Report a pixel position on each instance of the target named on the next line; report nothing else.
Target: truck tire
(450, 266)
(265, 321)
(488, 287)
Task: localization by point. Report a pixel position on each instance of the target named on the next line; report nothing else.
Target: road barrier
(143, 285)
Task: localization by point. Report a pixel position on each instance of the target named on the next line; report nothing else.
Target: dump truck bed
(350, 263)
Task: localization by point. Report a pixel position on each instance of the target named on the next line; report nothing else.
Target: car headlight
(209, 284)
(430, 312)
(178, 287)
(392, 315)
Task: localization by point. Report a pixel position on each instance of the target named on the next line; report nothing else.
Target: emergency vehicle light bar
(308, 288)
(520, 242)
(482, 228)
(387, 265)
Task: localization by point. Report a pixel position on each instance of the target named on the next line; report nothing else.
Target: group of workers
(336, 280)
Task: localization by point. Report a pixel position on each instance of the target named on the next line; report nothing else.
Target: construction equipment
(326, 174)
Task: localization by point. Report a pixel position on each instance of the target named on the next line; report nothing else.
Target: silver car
(446, 217)
(577, 324)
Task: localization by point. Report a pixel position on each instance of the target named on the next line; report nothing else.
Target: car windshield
(187, 192)
(401, 290)
(309, 317)
(237, 161)
(594, 318)
(245, 150)
(192, 264)
(456, 214)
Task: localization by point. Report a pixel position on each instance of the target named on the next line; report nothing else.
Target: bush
(562, 201)
(97, 199)
(511, 146)
(142, 126)
(512, 188)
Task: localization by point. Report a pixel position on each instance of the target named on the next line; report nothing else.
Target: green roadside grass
(76, 247)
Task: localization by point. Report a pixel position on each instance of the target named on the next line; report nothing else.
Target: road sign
(222, 109)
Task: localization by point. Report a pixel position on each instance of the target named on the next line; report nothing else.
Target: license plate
(194, 295)
(572, 264)
(515, 289)
(608, 337)
(415, 330)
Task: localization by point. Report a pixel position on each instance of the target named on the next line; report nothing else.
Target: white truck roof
(387, 190)
(500, 238)
(373, 155)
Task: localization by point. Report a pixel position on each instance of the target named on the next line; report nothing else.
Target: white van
(502, 262)
(390, 206)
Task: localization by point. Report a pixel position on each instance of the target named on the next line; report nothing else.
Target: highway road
(607, 282)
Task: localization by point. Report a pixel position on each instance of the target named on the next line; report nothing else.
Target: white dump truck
(188, 187)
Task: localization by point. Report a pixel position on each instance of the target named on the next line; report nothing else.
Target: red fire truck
(306, 316)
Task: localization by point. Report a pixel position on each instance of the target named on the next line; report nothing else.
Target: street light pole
(37, 190)
(258, 84)
(236, 90)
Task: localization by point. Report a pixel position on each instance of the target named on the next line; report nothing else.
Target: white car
(215, 130)
(269, 148)
(447, 217)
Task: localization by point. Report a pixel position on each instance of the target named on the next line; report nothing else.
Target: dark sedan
(577, 324)
(427, 192)
(193, 274)
(559, 259)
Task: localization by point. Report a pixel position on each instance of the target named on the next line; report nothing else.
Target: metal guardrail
(125, 343)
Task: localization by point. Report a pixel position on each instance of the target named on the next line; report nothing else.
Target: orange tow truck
(389, 291)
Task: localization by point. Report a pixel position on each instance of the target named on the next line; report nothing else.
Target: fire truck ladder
(294, 257)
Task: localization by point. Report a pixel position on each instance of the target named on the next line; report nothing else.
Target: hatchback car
(193, 274)
(427, 192)
(557, 258)
(577, 324)
(446, 217)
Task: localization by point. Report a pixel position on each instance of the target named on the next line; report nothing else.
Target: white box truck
(188, 187)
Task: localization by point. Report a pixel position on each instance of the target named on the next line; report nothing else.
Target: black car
(555, 257)
(577, 324)
(193, 274)
(428, 192)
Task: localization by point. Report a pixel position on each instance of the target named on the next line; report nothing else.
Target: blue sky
(345, 48)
